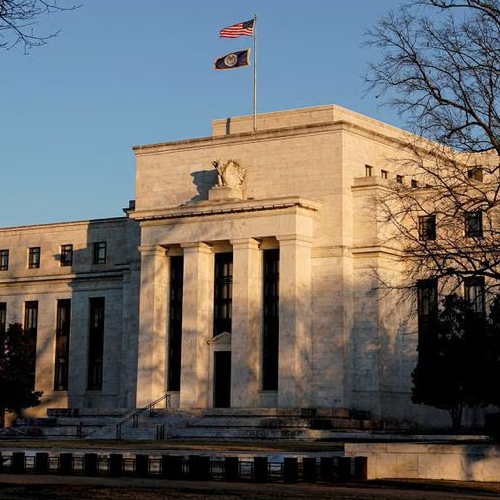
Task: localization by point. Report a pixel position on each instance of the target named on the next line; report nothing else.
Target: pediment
(222, 338)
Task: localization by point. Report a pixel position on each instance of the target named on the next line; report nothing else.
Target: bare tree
(440, 68)
(17, 20)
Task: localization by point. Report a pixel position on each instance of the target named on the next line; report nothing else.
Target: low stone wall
(462, 462)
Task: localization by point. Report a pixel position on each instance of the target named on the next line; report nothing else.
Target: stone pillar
(295, 322)
(246, 322)
(151, 377)
(197, 315)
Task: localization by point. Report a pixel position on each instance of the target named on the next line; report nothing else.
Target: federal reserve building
(244, 277)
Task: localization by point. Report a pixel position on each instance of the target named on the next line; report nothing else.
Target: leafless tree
(17, 20)
(440, 68)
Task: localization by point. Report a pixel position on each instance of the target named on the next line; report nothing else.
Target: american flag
(243, 28)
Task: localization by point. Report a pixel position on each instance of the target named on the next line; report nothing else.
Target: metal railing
(135, 416)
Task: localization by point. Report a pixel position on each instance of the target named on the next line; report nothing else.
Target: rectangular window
(175, 323)
(66, 255)
(475, 173)
(30, 330)
(99, 252)
(3, 317)
(399, 179)
(62, 345)
(96, 343)
(414, 183)
(34, 258)
(474, 294)
(474, 224)
(4, 260)
(427, 227)
(383, 174)
(427, 313)
(368, 171)
(223, 292)
(270, 340)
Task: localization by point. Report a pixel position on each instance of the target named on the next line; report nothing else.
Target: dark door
(222, 379)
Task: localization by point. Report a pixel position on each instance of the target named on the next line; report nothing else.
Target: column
(151, 361)
(246, 322)
(197, 317)
(295, 320)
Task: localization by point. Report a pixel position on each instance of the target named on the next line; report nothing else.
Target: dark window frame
(384, 174)
(368, 171)
(270, 319)
(63, 328)
(97, 309)
(475, 173)
(427, 308)
(223, 292)
(175, 322)
(99, 252)
(474, 224)
(399, 179)
(34, 257)
(427, 227)
(67, 255)
(31, 330)
(474, 293)
(4, 259)
(3, 317)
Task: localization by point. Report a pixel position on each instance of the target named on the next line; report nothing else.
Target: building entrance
(222, 379)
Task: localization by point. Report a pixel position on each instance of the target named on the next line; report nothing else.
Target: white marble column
(295, 322)
(197, 315)
(246, 322)
(151, 376)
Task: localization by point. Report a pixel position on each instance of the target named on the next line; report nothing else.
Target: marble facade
(305, 192)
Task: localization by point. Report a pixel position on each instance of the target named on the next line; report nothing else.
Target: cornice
(102, 275)
(270, 134)
(57, 227)
(210, 208)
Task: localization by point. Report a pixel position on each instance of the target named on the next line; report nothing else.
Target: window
(383, 174)
(96, 343)
(99, 252)
(474, 224)
(427, 227)
(66, 255)
(3, 317)
(223, 292)
(270, 339)
(175, 323)
(30, 330)
(4, 260)
(475, 173)
(399, 179)
(34, 258)
(427, 314)
(414, 183)
(62, 344)
(474, 294)
(368, 171)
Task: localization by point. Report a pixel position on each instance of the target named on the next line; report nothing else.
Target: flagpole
(255, 72)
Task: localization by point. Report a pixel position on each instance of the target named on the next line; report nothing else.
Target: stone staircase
(212, 423)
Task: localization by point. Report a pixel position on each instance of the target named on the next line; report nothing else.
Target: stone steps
(216, 423)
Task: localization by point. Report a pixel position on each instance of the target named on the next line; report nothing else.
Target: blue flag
(238, 59)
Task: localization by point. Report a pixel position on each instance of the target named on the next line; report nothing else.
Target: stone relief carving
(229, 173)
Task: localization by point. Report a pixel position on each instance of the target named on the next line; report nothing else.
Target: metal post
(255, 72)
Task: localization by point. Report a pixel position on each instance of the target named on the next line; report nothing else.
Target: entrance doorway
(222, 379)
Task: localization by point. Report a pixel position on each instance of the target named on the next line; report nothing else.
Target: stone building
(241, 277)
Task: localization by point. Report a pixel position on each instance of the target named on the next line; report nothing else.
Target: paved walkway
(19, 487)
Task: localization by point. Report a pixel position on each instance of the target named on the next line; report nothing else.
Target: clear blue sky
(124, 72)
